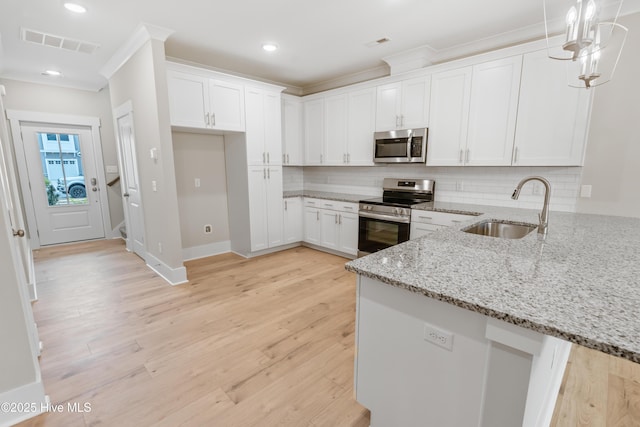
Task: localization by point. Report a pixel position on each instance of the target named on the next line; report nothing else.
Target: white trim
(30, 394)
(175, 276)
(16, 118)
(203, 251)
(268, 251)
(141, 35)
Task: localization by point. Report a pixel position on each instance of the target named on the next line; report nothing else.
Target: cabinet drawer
(331, 205)
(439, 218)
(313, 203)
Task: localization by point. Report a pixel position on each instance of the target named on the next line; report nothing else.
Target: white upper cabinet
(314, 131)
(335, 125)
(199, 102)
(552, 117)
(450, 94)
(263, 127)
(227, 106)
(292, 131)
(473, 114)
(403, 105)
(188, 99)
(492, 112)
(361, 118)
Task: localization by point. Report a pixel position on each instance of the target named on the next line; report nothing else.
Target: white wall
(201, 156)
(612, 163)
(50, 99)
(143, 81)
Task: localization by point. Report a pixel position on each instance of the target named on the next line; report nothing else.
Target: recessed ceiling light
(52, 73)
(270, 47)
(75, 7)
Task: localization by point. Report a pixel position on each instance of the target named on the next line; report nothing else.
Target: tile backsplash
(477, 185)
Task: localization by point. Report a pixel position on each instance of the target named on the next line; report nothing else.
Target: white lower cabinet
(292, 219)
(426, 222)
(332, 225)
(265, 207)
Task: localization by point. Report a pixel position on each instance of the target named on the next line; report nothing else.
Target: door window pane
(62, 167)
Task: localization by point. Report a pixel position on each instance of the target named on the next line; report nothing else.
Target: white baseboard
(203, 251)
(329, 251)
(115, 233)
(175, 276)
(32, 395)
(268, 251)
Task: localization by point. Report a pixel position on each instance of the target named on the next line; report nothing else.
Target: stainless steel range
(385, 221)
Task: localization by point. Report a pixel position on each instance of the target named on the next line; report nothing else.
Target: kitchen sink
(502, 229)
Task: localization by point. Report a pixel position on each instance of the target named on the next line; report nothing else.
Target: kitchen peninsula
(459, 329)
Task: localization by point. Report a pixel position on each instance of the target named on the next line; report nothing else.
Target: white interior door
(63, 179)
(130, 183)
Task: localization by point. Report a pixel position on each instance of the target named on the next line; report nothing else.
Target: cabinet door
(312, 225)
(292, 141)
(292, 216)
(552, 117)
(255, 134)
(335, 125)
(227, 105)
(492, 112)
(329, 230)
(275, 231)
(188, 100)
(313, 132)
(273, 128)
(419, 230)
(388, 107)
(348, 233)
(361, 119)
(450, 92)
(414, 111)
(258, 222)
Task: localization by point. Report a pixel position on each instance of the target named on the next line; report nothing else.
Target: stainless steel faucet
(543, 217)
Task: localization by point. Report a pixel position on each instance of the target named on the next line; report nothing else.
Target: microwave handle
(409, 139)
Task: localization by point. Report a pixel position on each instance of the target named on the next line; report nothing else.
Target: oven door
(375, 234)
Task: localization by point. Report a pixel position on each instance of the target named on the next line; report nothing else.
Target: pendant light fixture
(592, 40)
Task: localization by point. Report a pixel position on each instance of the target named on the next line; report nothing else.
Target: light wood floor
(267, 341)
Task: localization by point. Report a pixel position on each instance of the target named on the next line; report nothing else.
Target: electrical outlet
(585, 191)
(208, 229)
(197, 182)
(438, 337)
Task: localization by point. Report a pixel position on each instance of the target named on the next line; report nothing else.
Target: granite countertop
(581, 284)
(338, 197)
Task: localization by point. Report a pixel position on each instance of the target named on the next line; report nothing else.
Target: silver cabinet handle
(340, 219)
(317, 215)
(344, 158)
(456, 221)
(268, 173)
(401, 119)
(397, 121)
(348, 157)
(284, 159)
(328, 205)
(336, 220)
(467, 157)
(268, 159)
(213, 119)
(320, 158)
(264, 157)
(287, 159)
(285, 205)
(264, 174)
(461, 155)
(515, 155)
(424, 217)
(19, 233)
(206, 119)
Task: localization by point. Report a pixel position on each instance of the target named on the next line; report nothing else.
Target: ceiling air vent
(378, 42)
(60, 42)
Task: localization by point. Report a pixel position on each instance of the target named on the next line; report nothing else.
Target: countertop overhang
(581, 284)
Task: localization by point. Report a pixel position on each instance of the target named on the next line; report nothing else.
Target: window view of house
(62, 169)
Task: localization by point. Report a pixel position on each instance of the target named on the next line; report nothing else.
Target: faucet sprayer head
(516, 194)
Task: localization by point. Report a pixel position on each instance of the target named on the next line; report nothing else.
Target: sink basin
(502, 229)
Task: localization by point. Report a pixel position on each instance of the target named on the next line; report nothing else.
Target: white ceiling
(319, 41)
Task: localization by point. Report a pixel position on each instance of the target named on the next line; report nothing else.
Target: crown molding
(142, 34)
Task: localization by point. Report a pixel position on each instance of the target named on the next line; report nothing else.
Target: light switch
(197, 180)
(112, 169)
(585, 191)
(154, 187)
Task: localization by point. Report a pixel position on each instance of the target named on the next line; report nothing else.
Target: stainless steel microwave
(400, 146)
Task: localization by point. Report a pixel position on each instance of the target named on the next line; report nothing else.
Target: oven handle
(391, 218)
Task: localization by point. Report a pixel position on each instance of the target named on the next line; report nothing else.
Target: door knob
(19, 233)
